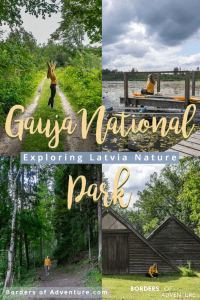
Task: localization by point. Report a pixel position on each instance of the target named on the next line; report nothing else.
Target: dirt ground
(75, 143)
(58, 277)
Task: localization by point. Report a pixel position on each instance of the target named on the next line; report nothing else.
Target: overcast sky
(40, 28)
(139, 175)
(151, 35)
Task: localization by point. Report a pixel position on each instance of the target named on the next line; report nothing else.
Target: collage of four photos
(99, 149)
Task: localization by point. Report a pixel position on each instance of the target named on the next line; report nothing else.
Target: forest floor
(60, 277)
(38, 109)
(73, 275)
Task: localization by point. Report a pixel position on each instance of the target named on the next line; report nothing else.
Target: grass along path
(10, 146)
(170, 287)
(39, 142)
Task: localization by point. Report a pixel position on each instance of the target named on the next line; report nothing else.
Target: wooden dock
(189, 147)
(162, 101)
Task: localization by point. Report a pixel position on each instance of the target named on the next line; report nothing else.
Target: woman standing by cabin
(153, 271)
(150, 86)
(51, 75)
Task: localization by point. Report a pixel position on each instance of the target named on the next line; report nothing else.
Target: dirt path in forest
(60, 278)
(75, 143)
(10, 146)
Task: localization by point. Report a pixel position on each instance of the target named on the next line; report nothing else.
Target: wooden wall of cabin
(115, 253)
(177, 244)
(123, 252)
(141, 257)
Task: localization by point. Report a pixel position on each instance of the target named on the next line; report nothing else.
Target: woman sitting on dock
(150, 86)
(153, 271)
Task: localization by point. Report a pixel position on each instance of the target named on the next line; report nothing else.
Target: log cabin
(126, 251)
(177, 242)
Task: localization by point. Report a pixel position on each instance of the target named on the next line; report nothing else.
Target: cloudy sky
(40, 28)
(139, 175)
(151, 35)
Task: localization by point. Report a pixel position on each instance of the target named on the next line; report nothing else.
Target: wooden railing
(187, 83)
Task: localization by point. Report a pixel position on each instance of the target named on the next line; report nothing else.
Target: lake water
(113, 90)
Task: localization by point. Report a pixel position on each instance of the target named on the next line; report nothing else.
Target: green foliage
(188, 271)
(10, 11)
(79, 16)
(76, 221)
(93, 278)
(19, 77)
(115, 75)
(189, 197)
(174, 192)
(82, 83)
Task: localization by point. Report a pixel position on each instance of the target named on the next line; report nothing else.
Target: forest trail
(58, 277)
(75, 142)
(10, 146)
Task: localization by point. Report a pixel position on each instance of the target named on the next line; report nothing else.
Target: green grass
(179, 287)
(90, 272)
(39, 142)
(27, 99)
(36, 82)
(93, 278)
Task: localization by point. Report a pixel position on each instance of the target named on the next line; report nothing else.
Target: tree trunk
(26, 250)
(13, 231)
(90, 256)
(21, 207)
(99, 205)
(41, 250)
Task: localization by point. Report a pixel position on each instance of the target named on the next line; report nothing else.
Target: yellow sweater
(150, 87)
(51, 74)
(47, 262)
(152, 270)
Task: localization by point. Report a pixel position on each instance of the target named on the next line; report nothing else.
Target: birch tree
(13, 223)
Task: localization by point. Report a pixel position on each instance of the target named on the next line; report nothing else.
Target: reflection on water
(113, 90)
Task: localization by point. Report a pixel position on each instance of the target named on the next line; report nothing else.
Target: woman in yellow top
(50, 74)
(153, 271)
(47, 264)
(150, 86)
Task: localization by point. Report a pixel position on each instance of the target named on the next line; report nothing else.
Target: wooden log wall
(177, 244)
(141, 257)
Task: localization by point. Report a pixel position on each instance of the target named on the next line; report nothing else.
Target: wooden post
(126, 89)
(193, 83)
(187, 88)
(158, 82)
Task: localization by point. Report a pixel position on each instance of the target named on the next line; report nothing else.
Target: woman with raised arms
(50, 74)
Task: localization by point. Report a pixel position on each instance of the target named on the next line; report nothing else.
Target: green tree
(10, 10)
(189, 198)
(161, 197)
(79, 16)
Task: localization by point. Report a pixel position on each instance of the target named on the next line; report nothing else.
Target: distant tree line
(115, 75)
